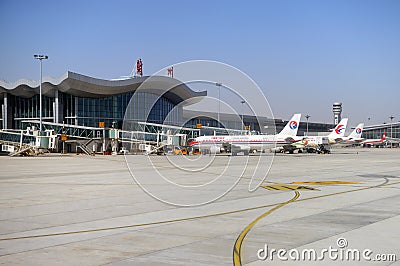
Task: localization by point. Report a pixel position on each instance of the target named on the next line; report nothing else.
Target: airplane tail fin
(292, 126)
(357, 132)
(339, 130)
(384, 135)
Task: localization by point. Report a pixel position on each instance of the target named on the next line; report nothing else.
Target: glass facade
(153, 108)
(28, 108)
(84, 111)
(91, 111)
(392, 131)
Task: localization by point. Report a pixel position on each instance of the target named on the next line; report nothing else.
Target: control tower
(337, 112)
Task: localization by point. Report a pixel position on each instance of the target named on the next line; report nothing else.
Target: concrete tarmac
(117, 210)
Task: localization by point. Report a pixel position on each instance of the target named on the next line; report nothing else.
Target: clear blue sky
(303, 54)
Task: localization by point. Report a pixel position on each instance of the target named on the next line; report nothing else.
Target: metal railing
(8, 137)
(70, 130)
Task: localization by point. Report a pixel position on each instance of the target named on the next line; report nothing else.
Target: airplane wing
(357, 140)
(296, 144)
(292, 140)
(299, 143)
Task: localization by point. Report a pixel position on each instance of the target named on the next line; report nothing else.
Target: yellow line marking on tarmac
(238, 244)
(140, 225)
(325, 183)
(287, 187)
(187, 218)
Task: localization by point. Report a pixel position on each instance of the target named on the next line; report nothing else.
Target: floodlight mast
(40, 58)
(218, 84)
(307, 117)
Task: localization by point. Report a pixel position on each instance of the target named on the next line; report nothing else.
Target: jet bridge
(91, 140)
(15, 142)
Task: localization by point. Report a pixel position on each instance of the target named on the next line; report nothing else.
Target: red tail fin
(384, 135)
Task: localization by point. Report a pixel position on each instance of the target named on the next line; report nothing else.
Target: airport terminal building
(80, 100)
(83, 102)
(376, 131)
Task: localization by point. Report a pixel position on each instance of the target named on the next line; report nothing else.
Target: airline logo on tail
(293, 125)
(356, 134)
(340, 129)
(384, 136)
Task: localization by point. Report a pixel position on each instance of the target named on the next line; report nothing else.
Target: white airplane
(320, 142)
(374, 142)
(247, 143)
(336, 134)
(353, 138)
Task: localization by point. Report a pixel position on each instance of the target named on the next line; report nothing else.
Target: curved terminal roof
(84, 86)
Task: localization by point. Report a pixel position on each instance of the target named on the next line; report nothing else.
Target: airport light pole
(391, 129)
(40, 58)
(219, 99)
(307, 117)
(242, 102)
